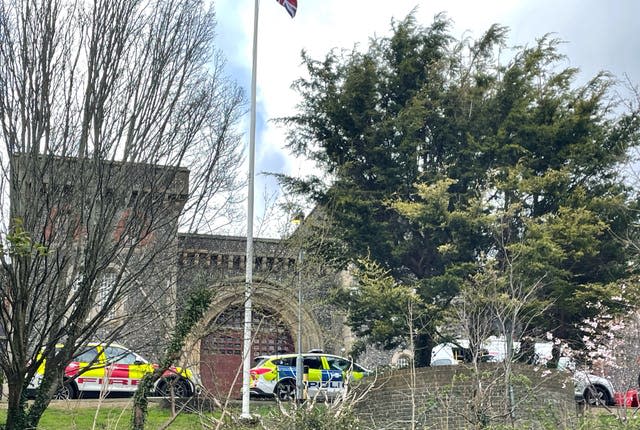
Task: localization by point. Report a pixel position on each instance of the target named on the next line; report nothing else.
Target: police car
(115, 369)
(325, 375)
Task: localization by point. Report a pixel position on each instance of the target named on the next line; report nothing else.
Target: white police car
(325, 375)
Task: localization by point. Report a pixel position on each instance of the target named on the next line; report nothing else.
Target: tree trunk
(140, 404)
(424, 346)
(40, 404)
(555, 357)
(16, 415)
(140, 401)
(19, 416)
(527, 353)
(139, 416)
(197, 303)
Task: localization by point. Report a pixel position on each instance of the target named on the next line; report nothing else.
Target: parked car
(275, 375)
(115, 369)
(588, 388)
(592, 389)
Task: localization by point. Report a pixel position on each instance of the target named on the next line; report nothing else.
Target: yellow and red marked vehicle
(325, 375)
(115, 369)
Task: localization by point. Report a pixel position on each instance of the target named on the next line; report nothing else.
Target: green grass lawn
(76, 416)
(110, 419)
(109, 416)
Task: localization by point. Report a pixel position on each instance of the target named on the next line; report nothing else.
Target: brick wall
(446, 397)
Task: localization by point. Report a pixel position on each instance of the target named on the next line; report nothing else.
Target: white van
(494, 350)
(445, 354)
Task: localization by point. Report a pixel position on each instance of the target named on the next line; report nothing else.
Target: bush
(312, 417)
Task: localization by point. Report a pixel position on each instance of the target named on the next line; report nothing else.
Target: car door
(313, 368)
(341, 369)
(124, 370)
(88, 367)
(336, 373)
(137, 369)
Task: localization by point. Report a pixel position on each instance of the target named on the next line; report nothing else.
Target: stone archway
(221, 349)
(216, 345)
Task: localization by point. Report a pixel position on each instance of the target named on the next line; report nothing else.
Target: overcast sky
(600, 35)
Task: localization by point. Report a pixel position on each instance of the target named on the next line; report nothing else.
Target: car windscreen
(87, 355)
(313, 363)
(119, 355)
(338, 363)
(286, 361)
(259, 361)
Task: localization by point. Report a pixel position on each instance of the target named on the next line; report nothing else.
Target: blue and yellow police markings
(329, 380)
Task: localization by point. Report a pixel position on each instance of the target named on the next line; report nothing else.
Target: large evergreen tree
(436, 154)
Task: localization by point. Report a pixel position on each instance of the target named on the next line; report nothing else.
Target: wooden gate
(221, 350)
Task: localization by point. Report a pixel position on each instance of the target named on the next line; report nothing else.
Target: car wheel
(286, 391)
(180, 387)
(596, 395)
(65, 392)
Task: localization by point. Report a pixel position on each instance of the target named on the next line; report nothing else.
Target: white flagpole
(246, 366)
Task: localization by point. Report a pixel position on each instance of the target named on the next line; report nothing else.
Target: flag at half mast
(290, 6)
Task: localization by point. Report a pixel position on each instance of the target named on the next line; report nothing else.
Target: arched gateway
(218, 262)
(217, 345)
(221, 350)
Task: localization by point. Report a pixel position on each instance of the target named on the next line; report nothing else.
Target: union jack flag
(290, 6)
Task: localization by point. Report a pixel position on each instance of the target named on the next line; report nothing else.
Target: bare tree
(498, 299)
(105, 108)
